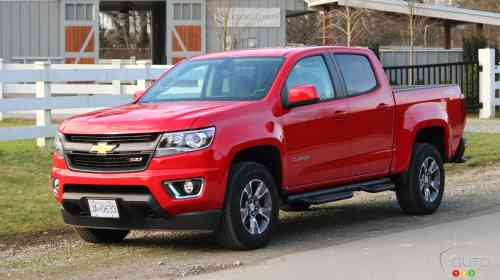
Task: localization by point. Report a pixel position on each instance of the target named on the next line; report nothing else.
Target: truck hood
(144, 118)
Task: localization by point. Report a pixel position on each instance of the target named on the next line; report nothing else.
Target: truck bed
(404, 89)
(433, 103)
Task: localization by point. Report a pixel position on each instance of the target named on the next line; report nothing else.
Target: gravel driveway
(163, 255)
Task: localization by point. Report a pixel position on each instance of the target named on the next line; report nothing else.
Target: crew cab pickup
(223, 141)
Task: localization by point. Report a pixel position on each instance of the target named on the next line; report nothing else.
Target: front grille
(113, 162)
(119, 189)
(122, 138)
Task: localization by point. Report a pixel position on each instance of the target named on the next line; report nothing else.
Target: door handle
(339, 114)
(383, 106)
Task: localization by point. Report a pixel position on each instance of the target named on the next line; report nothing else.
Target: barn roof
(446, 12)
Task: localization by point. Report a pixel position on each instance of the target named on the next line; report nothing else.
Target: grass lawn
(16, 122)
(26, 203)
(482, 149)
(27, 206)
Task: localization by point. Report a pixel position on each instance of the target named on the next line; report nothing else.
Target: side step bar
(342, 192)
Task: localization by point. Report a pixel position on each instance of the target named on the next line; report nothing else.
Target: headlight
(185, 141)
(58, 146)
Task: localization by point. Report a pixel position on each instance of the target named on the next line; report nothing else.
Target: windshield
(217, 79)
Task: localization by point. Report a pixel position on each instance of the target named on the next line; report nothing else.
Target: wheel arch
(267, 153)
(433, 131)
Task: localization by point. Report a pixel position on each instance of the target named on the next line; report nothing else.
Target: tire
(238, 229)
(422, 195)
(296, 207)
(93, 235)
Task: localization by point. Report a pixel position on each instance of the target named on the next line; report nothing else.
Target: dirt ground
(172, 255)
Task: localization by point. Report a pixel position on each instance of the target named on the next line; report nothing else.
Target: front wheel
(251, 208)
(420, 189)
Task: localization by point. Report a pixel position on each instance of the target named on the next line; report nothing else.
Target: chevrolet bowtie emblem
(102, 148)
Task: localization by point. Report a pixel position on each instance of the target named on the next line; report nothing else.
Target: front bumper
(208, 220)
(137, 211)
(152, 208)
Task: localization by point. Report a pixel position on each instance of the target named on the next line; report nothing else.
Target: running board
(342, 192)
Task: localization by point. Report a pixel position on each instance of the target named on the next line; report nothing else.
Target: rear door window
(358, 73)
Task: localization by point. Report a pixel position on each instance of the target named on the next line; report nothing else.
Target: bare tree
(304, 30)
(412, 27)
(416, 25)
(349, 21)
(227, 23)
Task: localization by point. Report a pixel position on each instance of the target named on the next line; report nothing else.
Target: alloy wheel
(429, 176)
(256, 207)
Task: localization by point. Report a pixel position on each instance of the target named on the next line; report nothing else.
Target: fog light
(182, 189)
(188, 187)
(55, 185)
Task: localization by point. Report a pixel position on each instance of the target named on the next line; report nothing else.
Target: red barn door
(81, 31)
(186, 27)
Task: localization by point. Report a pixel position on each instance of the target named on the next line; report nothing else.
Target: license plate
(100, 208)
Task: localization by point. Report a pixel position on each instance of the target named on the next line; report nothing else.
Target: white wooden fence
(88, 86)
(489, 85)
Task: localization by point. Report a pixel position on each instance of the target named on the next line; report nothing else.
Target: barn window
(79, 11)
(187, 11)
(70, 11)
(196, 14)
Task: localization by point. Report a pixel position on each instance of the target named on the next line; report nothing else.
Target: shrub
(471, 45)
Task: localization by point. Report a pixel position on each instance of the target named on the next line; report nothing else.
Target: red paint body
(321, 145)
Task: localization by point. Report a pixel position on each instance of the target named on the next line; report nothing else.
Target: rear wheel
(93, 235)
(420, 189)
(251, 208)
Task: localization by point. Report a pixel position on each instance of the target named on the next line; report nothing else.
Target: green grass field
(483, 149)
(26, 203)
(27, 206)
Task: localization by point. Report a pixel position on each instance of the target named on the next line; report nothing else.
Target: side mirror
(138, 94)
(302, 95)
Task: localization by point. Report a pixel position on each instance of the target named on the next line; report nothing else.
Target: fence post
(117, 84)
(487, 83)
(1, 88)
(42, 90)
(142, 84)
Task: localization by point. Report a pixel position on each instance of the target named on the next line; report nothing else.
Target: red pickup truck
(224, 141)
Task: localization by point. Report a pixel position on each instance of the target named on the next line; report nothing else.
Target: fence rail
(89, 86)
(490, 85)
(465, 74)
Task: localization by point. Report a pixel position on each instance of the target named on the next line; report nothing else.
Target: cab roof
(269, 52)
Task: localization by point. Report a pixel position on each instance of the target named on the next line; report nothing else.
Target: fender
(418, 117)
(248, 145)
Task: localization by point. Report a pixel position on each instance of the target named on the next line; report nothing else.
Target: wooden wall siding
(265, 36)
(190, 36)
(30, 29)
(75, 38)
